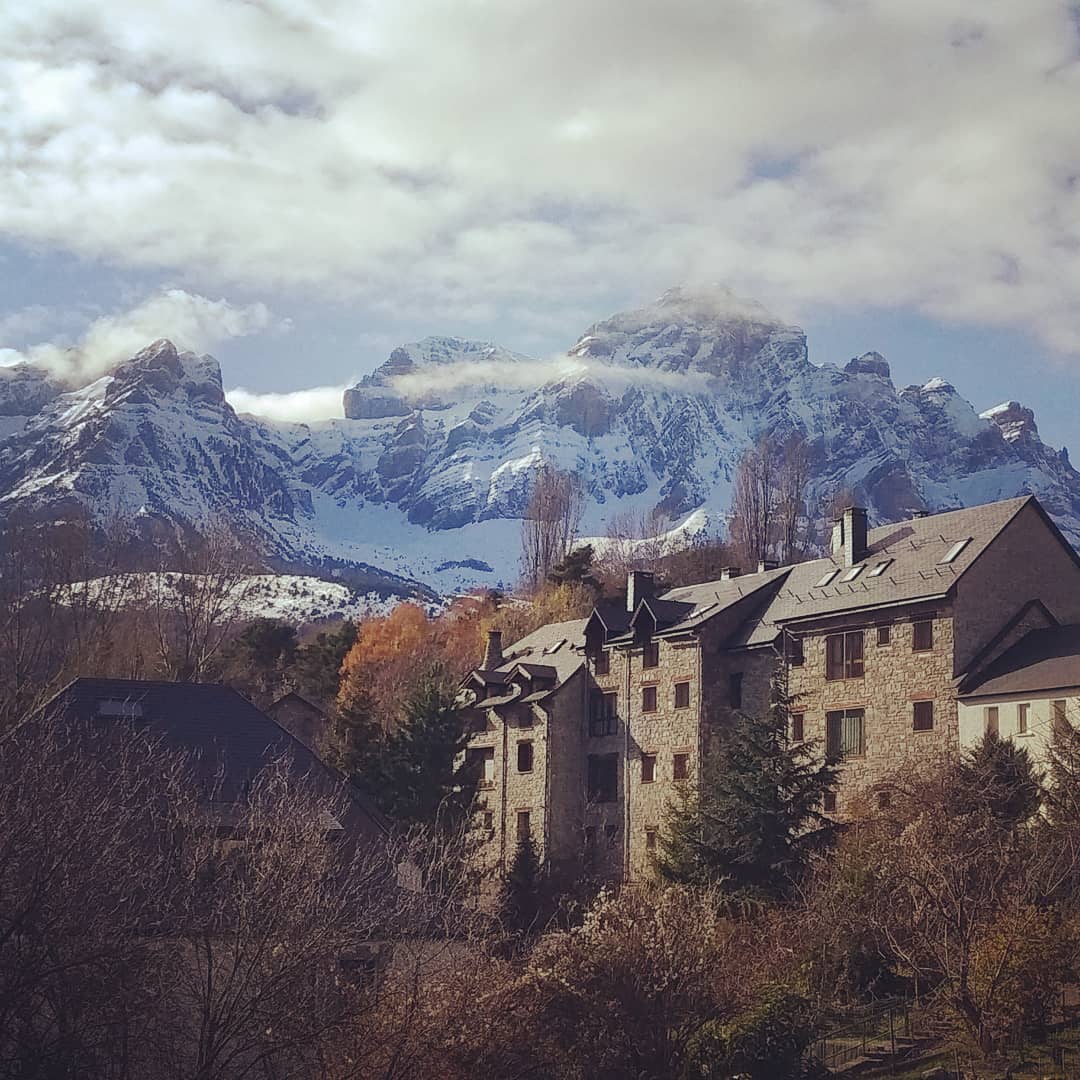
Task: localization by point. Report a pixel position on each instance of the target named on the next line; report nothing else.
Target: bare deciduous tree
(550, 523)
(768, 514)
(198, 602)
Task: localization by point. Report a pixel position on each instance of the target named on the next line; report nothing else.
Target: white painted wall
(972, 717)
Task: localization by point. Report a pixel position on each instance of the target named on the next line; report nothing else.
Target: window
(853, 573)
(844, 655)
(826, 579)
(680, 767)
(844, 733)
(880, 568)
(603, 713)
(648, 699)
(525, 756)
(602, 663)
(489, 820)
(682, 695)
(797, 727)
(1022, 714)
(603, 777)
(648, 768)
(884, 800)
(955, 550)
(523, 824)
(650, 839)
(796, 657)
(884, 635)
(482, 762)
(735, 689)
(650, 655)
(922, 635)
(828, 803)
(990, 720)
(1059, 722)
(922, 716)
(556, 647)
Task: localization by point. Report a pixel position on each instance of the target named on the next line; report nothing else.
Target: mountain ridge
(427, 474)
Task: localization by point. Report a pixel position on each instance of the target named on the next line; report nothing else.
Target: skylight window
(852, 574)
(827, 579)
(955, 550)
(880, 568)
(127, 710)
(556, 647)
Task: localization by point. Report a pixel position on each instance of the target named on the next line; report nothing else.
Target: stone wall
(664, 733)
(895, 676)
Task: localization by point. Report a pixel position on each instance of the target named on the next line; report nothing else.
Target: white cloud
(190, 321)
(301, 406)
(528, 157)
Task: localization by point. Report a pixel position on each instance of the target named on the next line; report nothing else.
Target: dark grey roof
(214, 723)
(1042, 660)
(914, 550)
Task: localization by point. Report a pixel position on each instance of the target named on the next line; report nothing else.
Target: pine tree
(756, 816)
(998, 775)
(316, 669)
(520, 900)
(413, 771)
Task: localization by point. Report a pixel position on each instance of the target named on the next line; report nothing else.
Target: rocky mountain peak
(161, 370)
(26, 389)
(1016, 422)
(870, 363)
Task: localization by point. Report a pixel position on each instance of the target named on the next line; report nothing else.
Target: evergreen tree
(756, 816)
(413, 771)
(575, 569)
(998, 775)
(520, 900)
(316, 669)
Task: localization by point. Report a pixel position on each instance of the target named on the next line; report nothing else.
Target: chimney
(493, 654)
(766, 564)
(849, 536)
(729, 572)
(639, 585)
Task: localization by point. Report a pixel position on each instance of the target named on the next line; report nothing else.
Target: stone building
(585, 730)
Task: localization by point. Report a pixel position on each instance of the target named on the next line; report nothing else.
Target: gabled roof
(913, 551)
(208, 720)
(1041, 661)
(552, 652)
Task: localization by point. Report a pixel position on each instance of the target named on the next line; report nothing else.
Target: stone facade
(895, 675)
(642, 687)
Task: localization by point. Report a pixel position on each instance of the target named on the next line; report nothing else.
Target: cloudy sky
(299, 185)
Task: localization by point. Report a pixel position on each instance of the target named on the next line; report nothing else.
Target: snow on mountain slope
(427, 474)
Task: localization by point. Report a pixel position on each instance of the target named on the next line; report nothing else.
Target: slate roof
(214, 723)
(1041, 660)
(915, 572)
(533, 655)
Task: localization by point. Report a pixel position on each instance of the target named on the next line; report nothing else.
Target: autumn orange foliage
(393, 651)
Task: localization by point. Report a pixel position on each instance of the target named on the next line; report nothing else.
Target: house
(228, 738)
(1028, 692)
(583, 732)
(301, 718)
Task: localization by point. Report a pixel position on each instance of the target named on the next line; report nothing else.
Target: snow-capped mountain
(428, 472)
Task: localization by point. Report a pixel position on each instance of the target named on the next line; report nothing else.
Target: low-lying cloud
(190, 321)
(298, 406)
